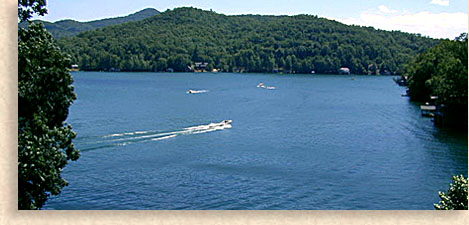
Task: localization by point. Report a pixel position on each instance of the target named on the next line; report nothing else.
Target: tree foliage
(456, 197)
(249, 43)
(440, 71)
(45, 92)
(28, 7)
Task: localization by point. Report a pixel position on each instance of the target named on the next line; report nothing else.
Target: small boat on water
(190, 91)
(262, 85)
(221, 124)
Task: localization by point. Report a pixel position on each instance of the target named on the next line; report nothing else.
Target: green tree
(28, 7)
(45, 93)
(456, 197)
(441, 71)
(289, 63)
(179, 62)
(196, 55)
(449, 82)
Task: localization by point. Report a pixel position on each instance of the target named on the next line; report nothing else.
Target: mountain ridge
(180, 37)
(69, 27)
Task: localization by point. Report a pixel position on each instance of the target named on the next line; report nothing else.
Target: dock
(428, 110)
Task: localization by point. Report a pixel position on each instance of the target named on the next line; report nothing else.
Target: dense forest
(179, 38)
(68, 28)
(442, 71)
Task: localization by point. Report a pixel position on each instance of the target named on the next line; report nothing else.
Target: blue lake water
(314, 142)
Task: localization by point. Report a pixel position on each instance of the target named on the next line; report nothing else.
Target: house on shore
(74, 67)
(344, 70)
(200, 66)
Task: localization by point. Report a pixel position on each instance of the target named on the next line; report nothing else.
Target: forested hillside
(442, 71)
(67, 28)
(247, 43)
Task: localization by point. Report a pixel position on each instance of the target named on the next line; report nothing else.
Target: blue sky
(435, 18)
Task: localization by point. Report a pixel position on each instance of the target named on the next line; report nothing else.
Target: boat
(190, 91)
(221, 124)
(262, 85)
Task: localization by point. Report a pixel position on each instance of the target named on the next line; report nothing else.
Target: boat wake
(125, 138)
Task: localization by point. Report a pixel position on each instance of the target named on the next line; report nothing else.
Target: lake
(313, 142)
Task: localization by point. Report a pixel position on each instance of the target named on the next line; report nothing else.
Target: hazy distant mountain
(67, 28)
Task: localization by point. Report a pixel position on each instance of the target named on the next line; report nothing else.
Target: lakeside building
(200, 66)
(74, 67)
(344, 70)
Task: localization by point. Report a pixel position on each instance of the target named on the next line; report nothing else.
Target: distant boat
(221, 124)
(262, 85)
(190, 91)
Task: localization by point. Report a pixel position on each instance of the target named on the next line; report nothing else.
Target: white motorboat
(222, 124)
(190, 91)
(262, 85)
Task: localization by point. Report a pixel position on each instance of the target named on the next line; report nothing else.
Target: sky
(433, 18)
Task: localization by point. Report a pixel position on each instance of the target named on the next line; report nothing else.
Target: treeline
(442, 71)
(68, 28)
(247, 43)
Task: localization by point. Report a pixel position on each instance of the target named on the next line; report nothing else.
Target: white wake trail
(126, 134)
(122, 139)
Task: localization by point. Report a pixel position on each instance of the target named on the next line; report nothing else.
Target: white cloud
(440, 2)
(385, 9)
(436, 25)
